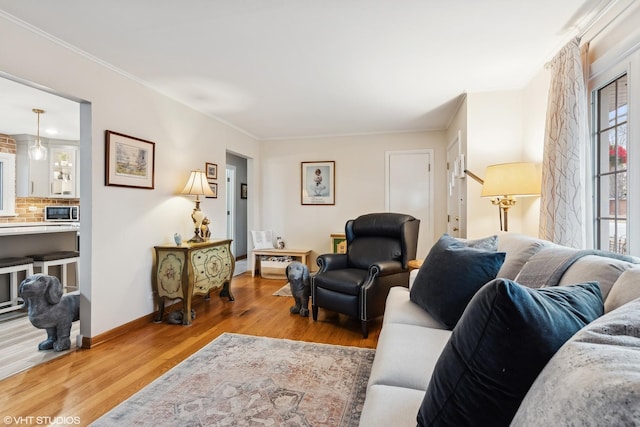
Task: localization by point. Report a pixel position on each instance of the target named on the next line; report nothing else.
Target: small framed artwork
(129, 161)
(214, 188)
(317, 183)
(243, 191)
(212, 170)
(338, 243)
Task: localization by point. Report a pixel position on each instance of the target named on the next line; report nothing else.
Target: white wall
(534, 111)
(504, 126)
(120, 226)
(494, 135)
(360, 171)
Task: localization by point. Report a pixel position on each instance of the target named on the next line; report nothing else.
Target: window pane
(619, 239)
(621, 195)
(608, 151)
(622, 99)
(607, 105)
(621, 152)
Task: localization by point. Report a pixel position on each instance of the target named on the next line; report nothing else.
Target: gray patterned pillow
(594, 379)
(486, 243)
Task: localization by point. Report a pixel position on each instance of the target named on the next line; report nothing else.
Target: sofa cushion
(449, 277)
(624, 290)
(519, 249)
(505, 337)
(594, 268)
(387, 406)
(593, 380)
(396, 362)
(399, 309)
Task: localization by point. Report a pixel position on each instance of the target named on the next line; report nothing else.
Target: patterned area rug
(242, 380)
(284, 291)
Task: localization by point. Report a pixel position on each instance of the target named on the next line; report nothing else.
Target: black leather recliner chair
(379, 245)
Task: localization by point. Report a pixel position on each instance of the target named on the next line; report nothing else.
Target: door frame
(455, 171)
(230, 180)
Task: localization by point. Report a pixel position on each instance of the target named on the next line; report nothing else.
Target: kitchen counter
(19, 239)
(21, 228)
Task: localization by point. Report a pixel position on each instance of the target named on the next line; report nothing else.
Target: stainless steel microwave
(62, 213)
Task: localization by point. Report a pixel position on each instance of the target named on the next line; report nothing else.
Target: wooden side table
(180, 272)
(415, 264)
(301, 255)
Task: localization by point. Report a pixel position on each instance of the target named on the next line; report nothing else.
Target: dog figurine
(300, 283)
(176, 317)
(49, 309)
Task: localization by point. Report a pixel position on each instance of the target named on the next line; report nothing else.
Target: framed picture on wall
(212, 170)
(243, 191)
(129, 161)
(214, 188)
(317, 183)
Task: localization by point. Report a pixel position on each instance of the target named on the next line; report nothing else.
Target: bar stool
(12, 266)
(61, 258)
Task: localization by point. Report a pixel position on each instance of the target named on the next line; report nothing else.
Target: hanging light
(37, 151)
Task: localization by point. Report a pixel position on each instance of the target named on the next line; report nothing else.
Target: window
(611, 154)
(7, 184)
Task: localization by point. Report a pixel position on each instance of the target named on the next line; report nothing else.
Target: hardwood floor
(87, 383)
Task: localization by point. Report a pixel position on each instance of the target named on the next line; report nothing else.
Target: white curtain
(562, 203)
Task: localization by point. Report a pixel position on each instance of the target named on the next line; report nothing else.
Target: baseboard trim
(90, 342)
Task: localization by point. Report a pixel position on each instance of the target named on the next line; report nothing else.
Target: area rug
(284, 291)
(242, 380)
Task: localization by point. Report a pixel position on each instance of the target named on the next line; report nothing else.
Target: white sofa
(411, 342)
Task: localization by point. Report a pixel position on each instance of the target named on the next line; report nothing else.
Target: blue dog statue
(49, 309)
(300, 283)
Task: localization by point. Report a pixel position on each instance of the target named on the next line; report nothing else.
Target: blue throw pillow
(449, 277)
(506, 336)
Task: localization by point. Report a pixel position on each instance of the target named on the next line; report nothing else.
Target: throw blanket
(546, 267)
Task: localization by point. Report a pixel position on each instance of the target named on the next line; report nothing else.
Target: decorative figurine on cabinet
(205, 232)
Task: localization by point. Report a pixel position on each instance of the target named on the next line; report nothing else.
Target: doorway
(236, 178)
(231, 207)
(72, 119)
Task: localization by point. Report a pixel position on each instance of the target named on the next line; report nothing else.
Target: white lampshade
(197, 185)
(511, 179)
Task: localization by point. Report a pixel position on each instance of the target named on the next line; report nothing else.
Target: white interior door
(231, 206)
(409, 190)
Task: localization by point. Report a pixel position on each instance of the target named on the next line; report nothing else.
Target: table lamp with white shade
(197, 185)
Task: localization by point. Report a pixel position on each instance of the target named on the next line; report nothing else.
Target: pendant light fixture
(38, 151)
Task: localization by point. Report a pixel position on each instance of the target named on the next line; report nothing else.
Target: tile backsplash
(31, 209)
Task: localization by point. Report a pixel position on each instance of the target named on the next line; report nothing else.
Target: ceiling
(303, 68)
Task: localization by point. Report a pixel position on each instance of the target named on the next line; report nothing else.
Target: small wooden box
(274, 269)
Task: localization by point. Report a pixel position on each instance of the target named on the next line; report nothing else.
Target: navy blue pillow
(449, 277)
(506, 336)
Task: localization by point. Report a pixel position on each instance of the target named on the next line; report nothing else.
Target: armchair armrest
(384, 268)
(328, 262)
